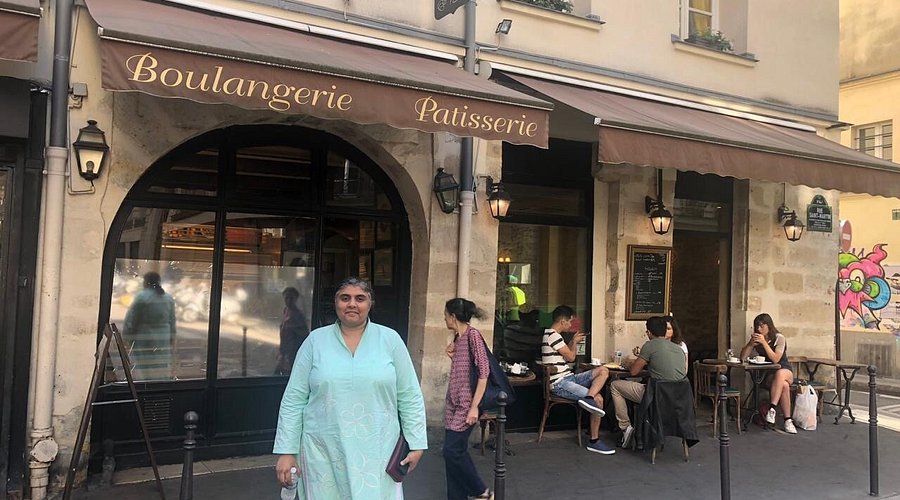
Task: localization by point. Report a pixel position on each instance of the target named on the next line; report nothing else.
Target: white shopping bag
(805, 408)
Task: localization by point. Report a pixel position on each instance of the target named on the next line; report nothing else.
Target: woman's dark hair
(151, 281)
(764, 318)
(354, 281)
(464, 310)
(677, 337)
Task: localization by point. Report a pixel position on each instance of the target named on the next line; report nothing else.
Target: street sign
(446, 7)
(818, 215)
(846, 235)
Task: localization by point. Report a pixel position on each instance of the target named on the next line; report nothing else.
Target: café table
(490, 417)
(757, 372)
(846, 371)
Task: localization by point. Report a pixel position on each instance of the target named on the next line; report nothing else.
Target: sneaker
(590, 405)
(626, 436)
(770, 417)
(600, 448)
(789, 426)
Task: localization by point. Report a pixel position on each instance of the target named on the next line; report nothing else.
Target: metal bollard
(724, 465)
(873, 434)
(187, 471)
(499, 450)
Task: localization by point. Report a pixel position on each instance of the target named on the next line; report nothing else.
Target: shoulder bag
(496, 382)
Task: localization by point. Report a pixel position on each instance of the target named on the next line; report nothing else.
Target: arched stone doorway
(231, 221)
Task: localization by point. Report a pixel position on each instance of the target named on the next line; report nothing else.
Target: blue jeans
(574, 386)
(463, 480)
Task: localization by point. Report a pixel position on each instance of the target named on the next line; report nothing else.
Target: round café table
(757, 372)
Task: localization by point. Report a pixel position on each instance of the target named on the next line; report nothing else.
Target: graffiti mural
(864, 290)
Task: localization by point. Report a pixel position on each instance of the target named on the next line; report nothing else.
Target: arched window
(249, 230)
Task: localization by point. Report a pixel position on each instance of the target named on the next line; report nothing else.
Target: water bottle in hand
(290, 492)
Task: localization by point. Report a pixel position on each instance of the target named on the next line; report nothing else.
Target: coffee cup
(595, 361)
(759, 359)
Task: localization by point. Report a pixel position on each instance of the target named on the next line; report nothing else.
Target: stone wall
(792, 281)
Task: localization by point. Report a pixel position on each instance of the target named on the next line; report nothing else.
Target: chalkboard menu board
(649, 281)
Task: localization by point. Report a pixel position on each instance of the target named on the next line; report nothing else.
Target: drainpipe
(466, 176)
(44, 448)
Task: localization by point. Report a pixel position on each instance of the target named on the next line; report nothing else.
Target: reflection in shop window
(176, 245)
(267, 289)
(539, 267)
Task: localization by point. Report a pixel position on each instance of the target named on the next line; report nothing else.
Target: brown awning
(19, 20)
(655, 134)
(170, 51)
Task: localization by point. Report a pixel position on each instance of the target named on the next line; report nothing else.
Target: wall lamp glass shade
(660, 218)
(446, 189)
(91, 151)
(498, 200)
(793, 227)
(504, 27)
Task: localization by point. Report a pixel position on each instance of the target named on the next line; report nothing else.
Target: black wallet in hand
(394, 469)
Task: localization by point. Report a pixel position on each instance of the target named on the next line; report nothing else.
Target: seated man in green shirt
(663, 359)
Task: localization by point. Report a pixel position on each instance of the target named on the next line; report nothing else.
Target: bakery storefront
(253, 168)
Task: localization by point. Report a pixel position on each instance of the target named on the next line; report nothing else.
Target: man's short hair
(563, 312)
(657, 326)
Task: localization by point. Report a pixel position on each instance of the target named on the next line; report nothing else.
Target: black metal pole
(873, 434)
(499, 450)
(724, 462)
(187, 471)
(244, 354)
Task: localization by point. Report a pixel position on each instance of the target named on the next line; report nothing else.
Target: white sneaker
(626, 436)
(770, 417)
(789, 426)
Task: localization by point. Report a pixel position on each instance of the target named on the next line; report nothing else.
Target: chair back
(706, 378)
(667, 409)
(544, 372)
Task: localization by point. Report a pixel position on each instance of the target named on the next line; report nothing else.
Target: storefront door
(223, 257)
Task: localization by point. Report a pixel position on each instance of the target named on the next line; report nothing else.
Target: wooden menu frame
(649, 294)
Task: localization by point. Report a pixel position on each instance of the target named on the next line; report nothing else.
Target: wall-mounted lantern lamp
(504, 27)
(447, 191)
(660, 218)
(90, 151)
(498, 199)
(793, 227)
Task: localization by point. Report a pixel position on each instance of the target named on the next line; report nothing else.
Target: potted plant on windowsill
(711, 39)
(557, 5)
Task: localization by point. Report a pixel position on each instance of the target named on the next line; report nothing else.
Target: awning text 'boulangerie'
(169, 51)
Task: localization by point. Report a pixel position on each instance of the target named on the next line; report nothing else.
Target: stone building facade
(577, 209)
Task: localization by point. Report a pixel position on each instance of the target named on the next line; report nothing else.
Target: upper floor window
(700, 16)
(895, 214)
(875, 139)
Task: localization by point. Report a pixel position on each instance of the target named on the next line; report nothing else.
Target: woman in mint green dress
(352, 390)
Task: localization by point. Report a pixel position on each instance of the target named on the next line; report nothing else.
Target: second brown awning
(19, 21)
(655, 134)
(169, 51)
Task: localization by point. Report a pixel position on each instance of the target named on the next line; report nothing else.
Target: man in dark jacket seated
(665, 362)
